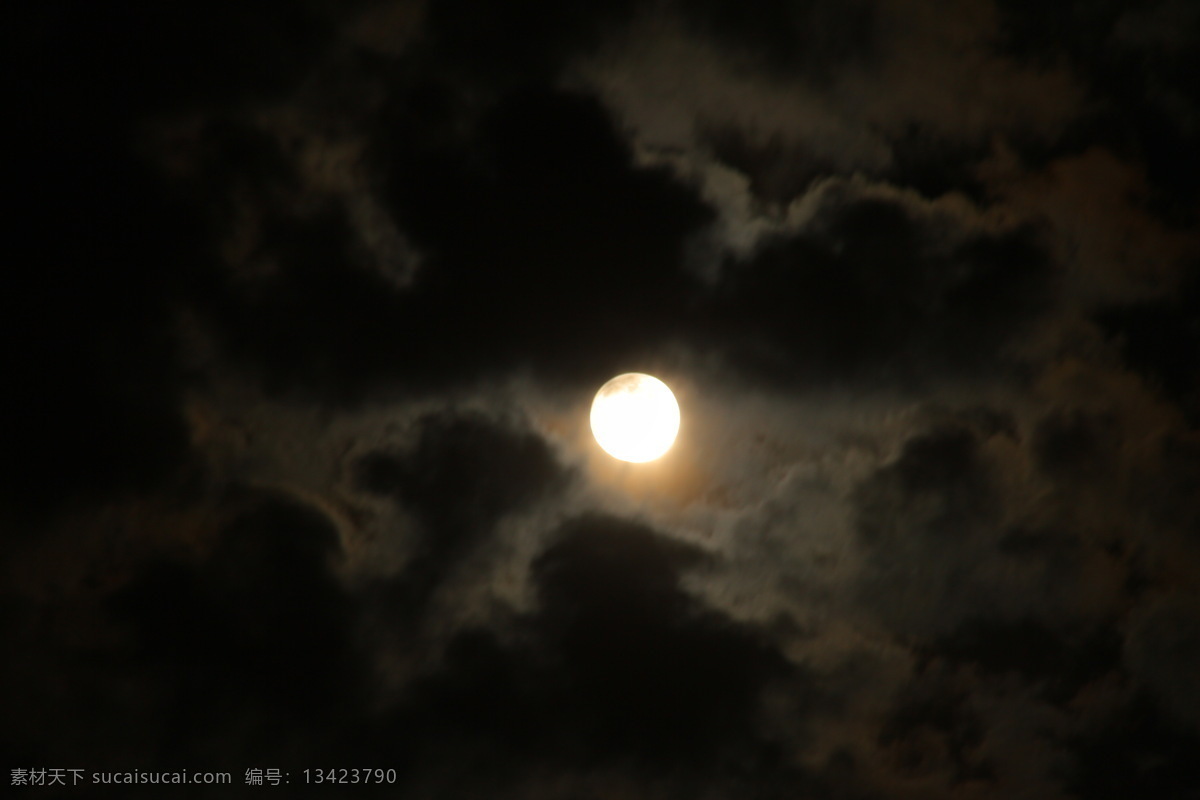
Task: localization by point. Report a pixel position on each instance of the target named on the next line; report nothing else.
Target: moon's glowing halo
(635, 417)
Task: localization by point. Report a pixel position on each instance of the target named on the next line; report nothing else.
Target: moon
(635, 417)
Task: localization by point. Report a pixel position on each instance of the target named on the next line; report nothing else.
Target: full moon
(635, 417)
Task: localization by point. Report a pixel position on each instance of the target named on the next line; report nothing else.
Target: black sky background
(306, 303)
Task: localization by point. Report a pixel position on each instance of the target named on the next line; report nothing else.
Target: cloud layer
(314, 300)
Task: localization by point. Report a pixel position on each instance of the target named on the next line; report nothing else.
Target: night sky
(306, 303)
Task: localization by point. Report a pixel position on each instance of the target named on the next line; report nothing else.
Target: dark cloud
(357, 333)
(242, 653)
(1163, 650)
(936, 165)
(542, 245)
(648, 655)
(1169, 495)
(1057, 662)
(924, 521)
(938, 488)
(463, 474)
(1144, 98)
(869, 294)
(538, 221)
(543, 241)
(254, 638)
(527, 40)
(810, 38)
(1074, 444)
(618, 668)
(107, 244)
(1161, 340)
(779, 171)
(1135, 750)
(931, 724)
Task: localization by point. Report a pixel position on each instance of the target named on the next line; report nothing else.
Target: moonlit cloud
(318, 299)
